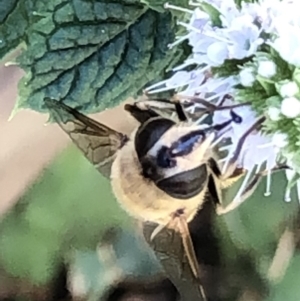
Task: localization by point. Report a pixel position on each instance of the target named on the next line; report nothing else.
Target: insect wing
(98, 142)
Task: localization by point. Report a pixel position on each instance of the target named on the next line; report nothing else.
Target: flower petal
(217, 53)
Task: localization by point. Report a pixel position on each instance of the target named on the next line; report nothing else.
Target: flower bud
(274, 113)
(247, 77)
(290, 107)
(289, 89)
(266, 69)
(280, 139)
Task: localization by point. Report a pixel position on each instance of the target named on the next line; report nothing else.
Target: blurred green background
(61, 219)
(64, 216)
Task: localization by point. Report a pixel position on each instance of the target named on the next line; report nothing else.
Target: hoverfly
(164, 170)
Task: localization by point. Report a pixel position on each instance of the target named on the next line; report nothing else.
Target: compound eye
(164, 158)
(148, 168)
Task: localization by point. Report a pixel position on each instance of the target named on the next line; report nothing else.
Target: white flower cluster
(236, 34)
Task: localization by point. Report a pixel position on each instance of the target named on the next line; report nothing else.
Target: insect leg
(178, 222)
(249, 189)
(180, 111)
(235, 176)
(206, 104)
(210, 107)
(161, 105)
(157, 103)
(183, 229)
(139, 113)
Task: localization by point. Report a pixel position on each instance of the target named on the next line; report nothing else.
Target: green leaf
(296, 76)
(274, 101)
(93, 55)
(13, 23)
(268, 85)
(229, 68)
(253, 94)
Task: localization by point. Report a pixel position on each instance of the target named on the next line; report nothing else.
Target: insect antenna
(223, 127)
(198, 100)
(164, 103)
(141, 115)
(210, 107)
(180, 111)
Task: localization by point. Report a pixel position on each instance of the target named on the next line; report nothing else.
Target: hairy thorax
(140, 197)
